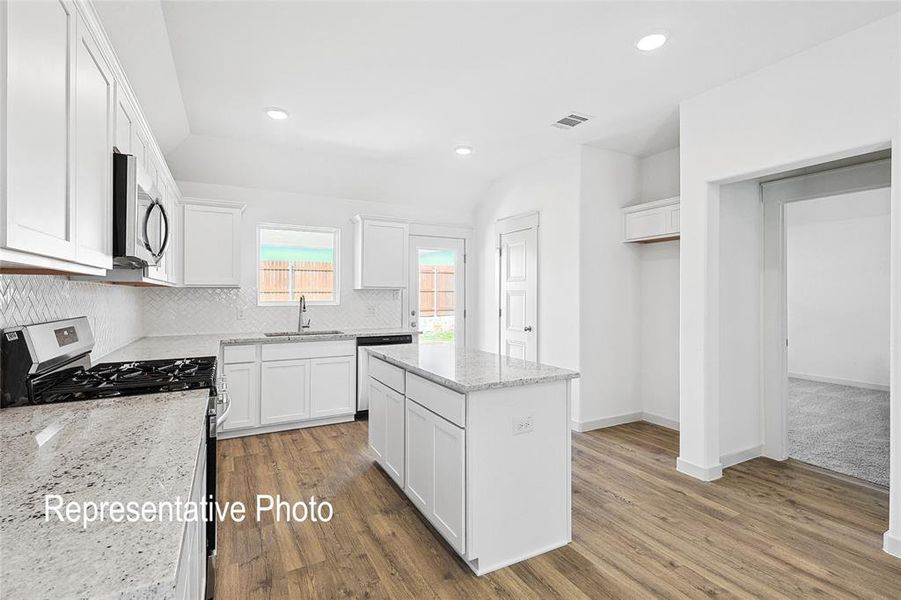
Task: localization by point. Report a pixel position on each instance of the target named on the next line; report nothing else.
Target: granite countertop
(466, 370)
(181, 346)
(139, 448)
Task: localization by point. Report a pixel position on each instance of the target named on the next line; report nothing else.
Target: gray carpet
(840, 428)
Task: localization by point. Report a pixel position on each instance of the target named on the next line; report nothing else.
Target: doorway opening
(829, 243)
(437, 290)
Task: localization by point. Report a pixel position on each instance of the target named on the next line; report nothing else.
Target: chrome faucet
(303, 309)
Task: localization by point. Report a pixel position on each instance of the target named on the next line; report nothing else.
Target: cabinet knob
(412, 323)
(527, 328)
(412, 313)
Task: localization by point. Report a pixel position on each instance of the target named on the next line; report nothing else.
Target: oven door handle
(221, 418)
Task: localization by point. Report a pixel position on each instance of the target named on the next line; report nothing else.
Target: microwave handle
(166, 226)
(146, 233)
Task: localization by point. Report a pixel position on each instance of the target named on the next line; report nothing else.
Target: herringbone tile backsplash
(121, 314)
(113, 311)
(173, 311)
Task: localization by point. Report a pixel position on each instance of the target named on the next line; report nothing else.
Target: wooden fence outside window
(284, 281)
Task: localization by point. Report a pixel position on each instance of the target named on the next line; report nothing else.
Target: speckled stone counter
(466, 370)
(139, 448)
(181, 346)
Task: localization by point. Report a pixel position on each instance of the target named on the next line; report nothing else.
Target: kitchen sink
(290, 333)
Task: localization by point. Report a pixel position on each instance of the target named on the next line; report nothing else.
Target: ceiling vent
(570, 121)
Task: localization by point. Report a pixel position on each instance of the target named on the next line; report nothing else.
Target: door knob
(527, 328)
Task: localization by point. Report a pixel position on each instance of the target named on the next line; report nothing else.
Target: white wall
(609, 288)
(659, 293)
(837, 99)
(739, 264)
(838, 251)
(182, 311)
(659, 175)
(552, 189)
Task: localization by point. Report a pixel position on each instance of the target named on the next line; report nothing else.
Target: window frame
(335, 231)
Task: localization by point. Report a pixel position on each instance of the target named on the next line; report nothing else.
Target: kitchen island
(480, 444)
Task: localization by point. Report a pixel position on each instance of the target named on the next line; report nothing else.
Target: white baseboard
(703, 473)
(225, 435)
(603, 422)
(839, 381)
(891, 544)
(662, 421)
(733, 458)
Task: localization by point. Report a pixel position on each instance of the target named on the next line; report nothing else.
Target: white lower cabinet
(284, 391)
(329, 396)
(243, 393)
(386, 429)
(289, 385)
(378, 400)
(436, 471)
(191, 574)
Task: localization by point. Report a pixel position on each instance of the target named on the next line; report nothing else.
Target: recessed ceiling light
(463, 150)
(278, 114)
(651, 42)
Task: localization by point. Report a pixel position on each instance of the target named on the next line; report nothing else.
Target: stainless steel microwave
(140, 222)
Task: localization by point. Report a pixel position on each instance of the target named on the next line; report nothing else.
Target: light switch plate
(523, 425)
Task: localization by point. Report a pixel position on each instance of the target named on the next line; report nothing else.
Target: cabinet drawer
(443, 402)
(239, 354)
(390, 375)
(298, 350)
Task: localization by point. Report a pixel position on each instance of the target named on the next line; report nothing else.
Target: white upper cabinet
(652, 221)
(67, 105)
(94, 97)
(126, 125)
(211, 243)
(380, 253)
(40, 215)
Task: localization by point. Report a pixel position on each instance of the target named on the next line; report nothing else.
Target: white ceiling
(381, 91)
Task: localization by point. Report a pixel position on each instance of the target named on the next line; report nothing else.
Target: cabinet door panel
(40, 217)
(447, 510)
(243, 393)
(93, 152)
(212, 237)
(332, 383)
(284, 391)
(394, 436)
(420, 470)
(125, 123)
(377, 416)
(647, 223)
(384, 255)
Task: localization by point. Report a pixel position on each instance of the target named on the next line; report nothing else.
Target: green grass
(437, 337)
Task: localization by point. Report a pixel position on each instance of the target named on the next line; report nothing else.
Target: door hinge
(464, 258)
(499, 312)
(464, 313)
(786, 342)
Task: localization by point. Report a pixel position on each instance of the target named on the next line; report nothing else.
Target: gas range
(108, 380)
(50, 362)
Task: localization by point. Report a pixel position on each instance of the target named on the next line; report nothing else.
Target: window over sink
(297, 260)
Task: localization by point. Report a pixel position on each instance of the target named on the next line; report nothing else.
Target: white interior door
(519, 294)
(437, 289)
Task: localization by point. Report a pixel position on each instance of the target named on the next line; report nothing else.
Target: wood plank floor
(640, 529)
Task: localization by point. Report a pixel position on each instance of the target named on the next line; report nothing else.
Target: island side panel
(519, 481)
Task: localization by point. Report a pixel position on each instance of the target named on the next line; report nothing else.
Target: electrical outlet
(239, 313)
(523, 425)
